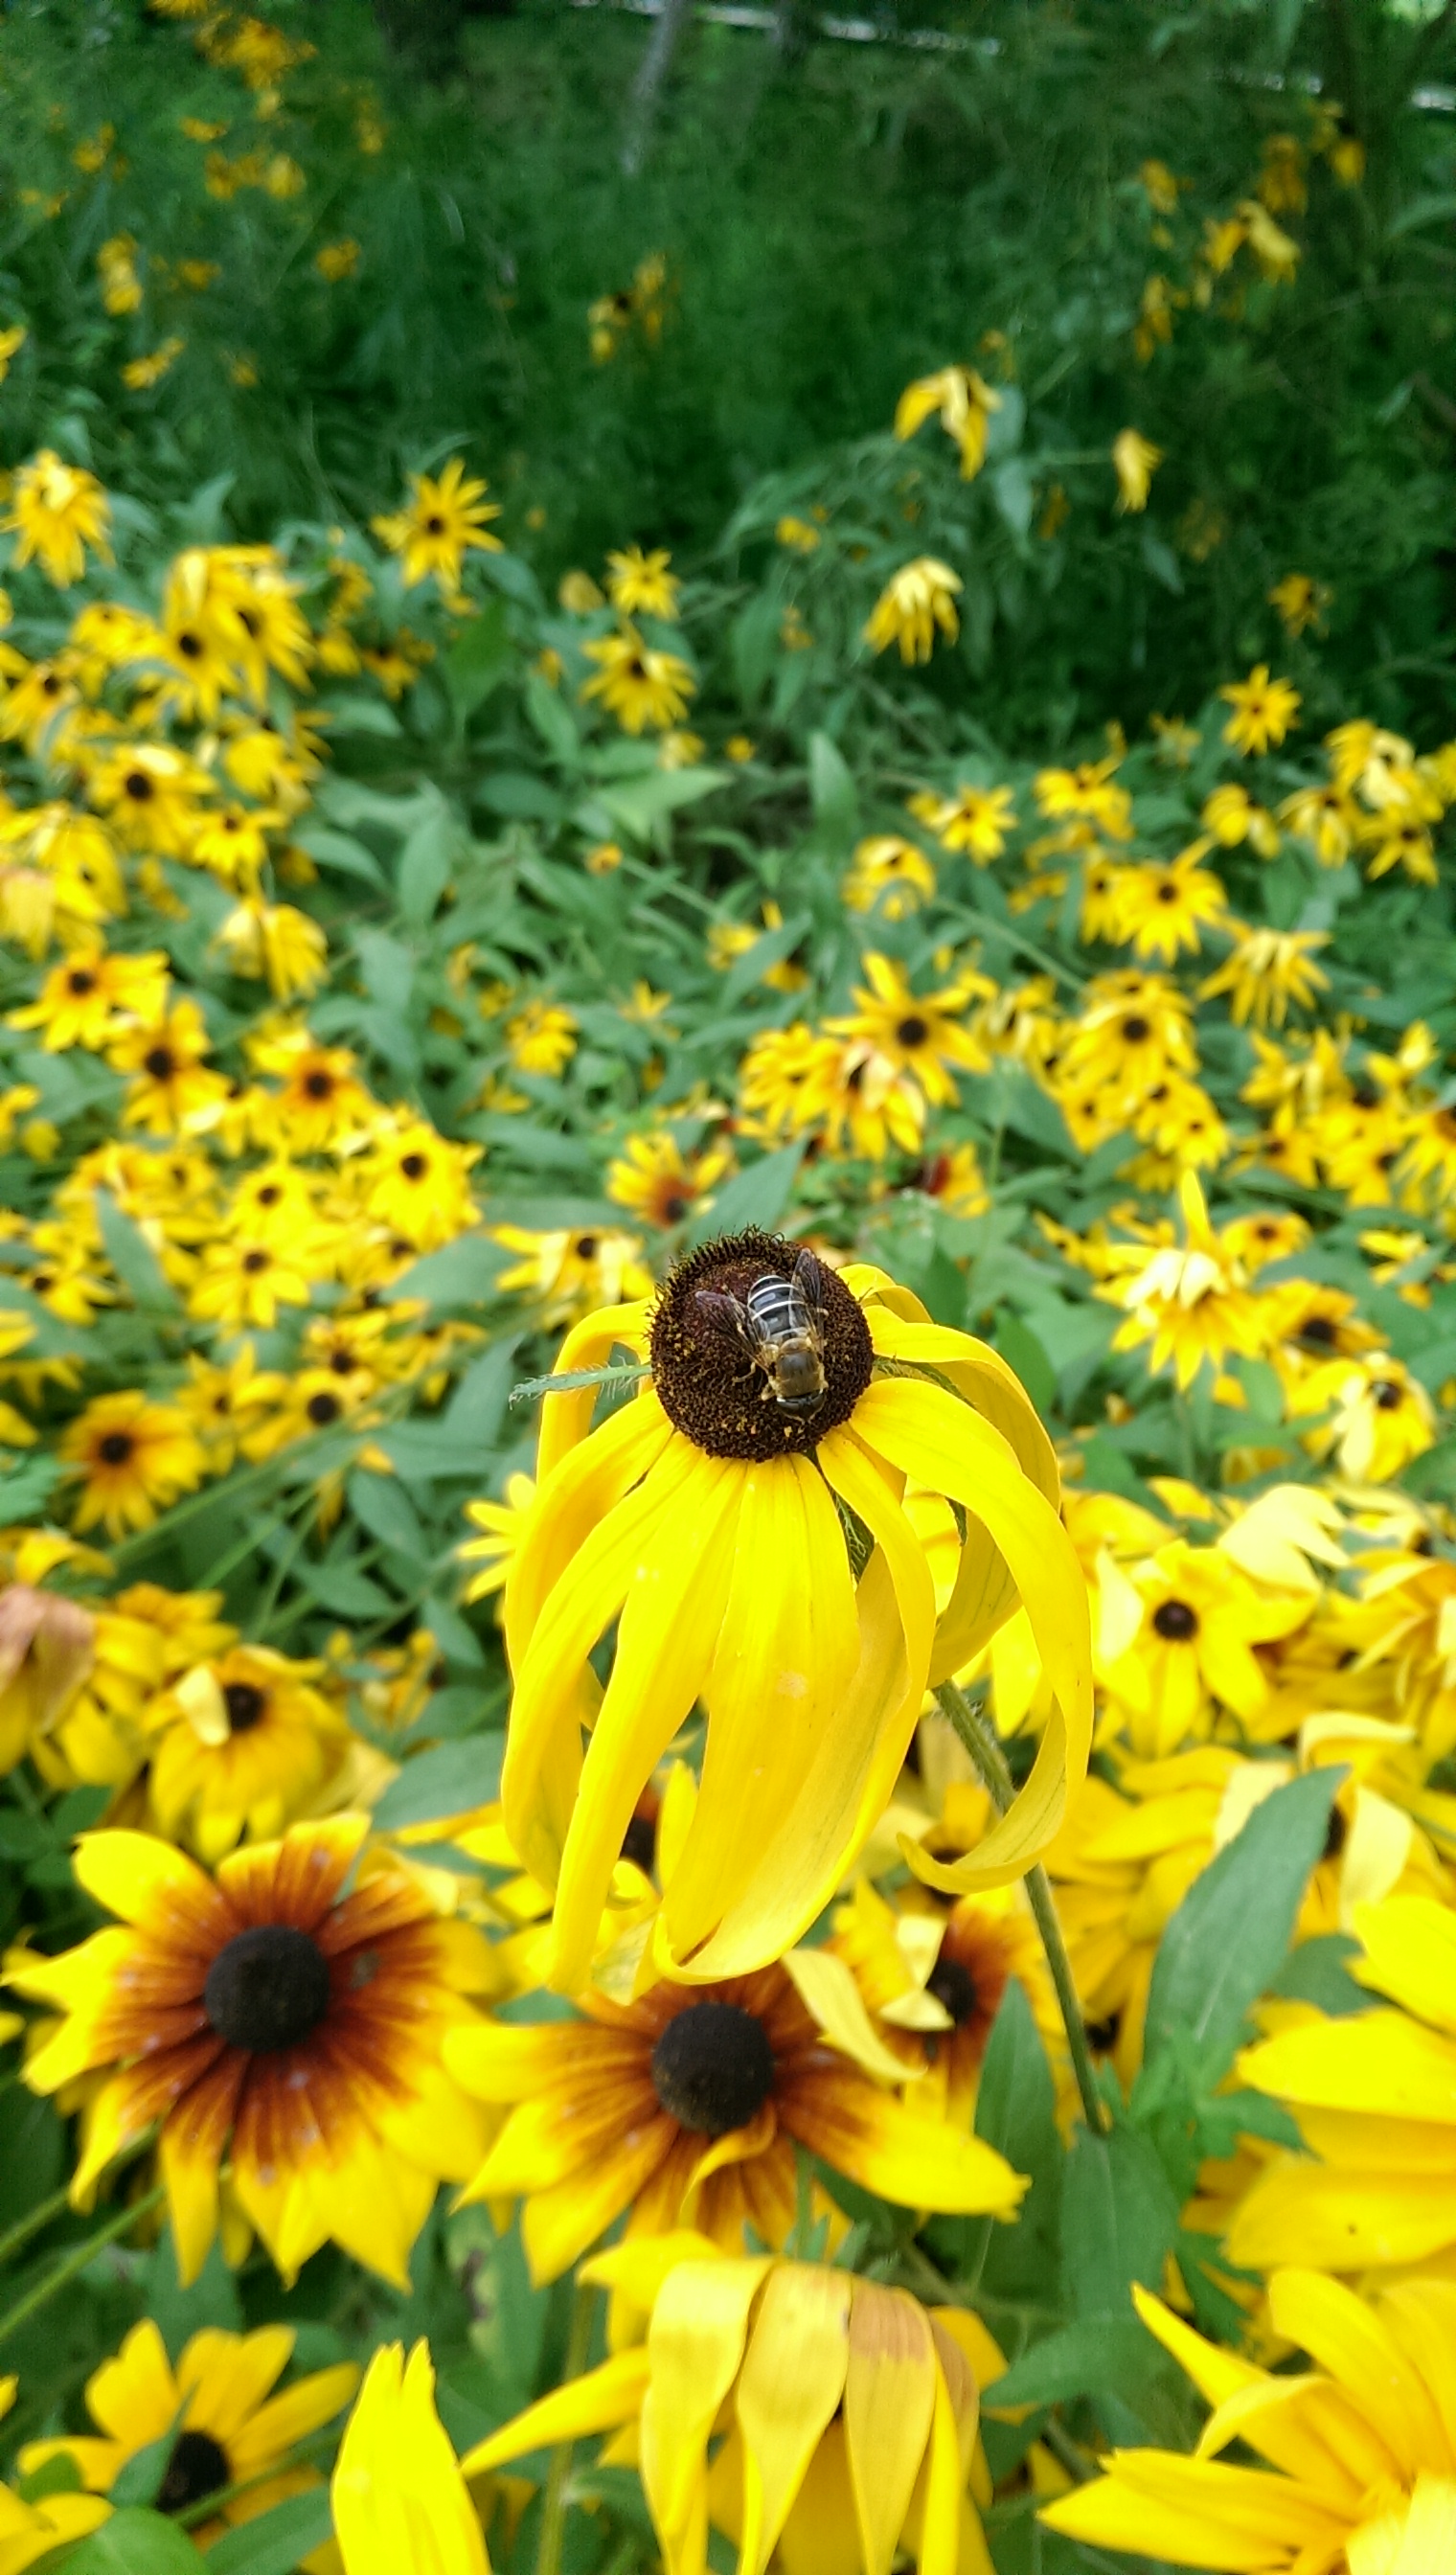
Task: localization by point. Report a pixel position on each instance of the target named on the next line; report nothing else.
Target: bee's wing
(724, 1313)
(809, 1289)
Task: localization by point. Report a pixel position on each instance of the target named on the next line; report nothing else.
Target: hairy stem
(992, 1767)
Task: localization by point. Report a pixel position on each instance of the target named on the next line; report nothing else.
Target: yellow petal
(785, 1655)
(666, 1638)
(695, 2344)
(1199, 2512)
(789, 2385)
(598, 2402)
(902, 2154)
(1410, 1954)
(567, 1419)
(890, 2403)
(826, 1985)
(400, 2500)
(1217, 2374)
(1375, 2061)
(144, 1880)
(586, 1484)
(1360, 2353)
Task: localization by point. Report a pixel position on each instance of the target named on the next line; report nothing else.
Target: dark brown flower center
(435, 527)
(138, 786)
(269, 1988)
(199, 2466)
(751, 1362)
(912, 1030)
(319, 1085)
(1387, 1396)
(1177, 1621)
(1320, 1329)
(953, 1987)
(639, 1843)
(115, 1448)
(159, 1064)
(80, 980)
(1136, 1029)
(245, 1703)
(253, 1261)
(323, 1408)
(190, 645)
(414, 1166)
(713, 2068)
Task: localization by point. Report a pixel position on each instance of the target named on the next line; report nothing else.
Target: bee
(781, 1323)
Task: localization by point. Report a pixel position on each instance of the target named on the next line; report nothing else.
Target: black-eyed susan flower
(1263, 711)
(640, 584)
(570, 1270)
(1161, 909)
(889, 871)
(965, 404)
(445, 517)
(645, 688)
(400, 2503)
(686, 2106)
(1357, 2452)
(916, 604)
(56, 512)
(971, 818)
(924, 1034)
(933, 1982)
(134, 1457)
(83, 998)
(269, 2020)
(217, 2408)
(172, 1083)
(656, 1178)
(850, 2409)
(239, 1748)
(713, 1517)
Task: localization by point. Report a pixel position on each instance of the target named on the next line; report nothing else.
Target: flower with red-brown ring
(269, 2019)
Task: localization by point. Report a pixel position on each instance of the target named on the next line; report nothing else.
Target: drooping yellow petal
(567, 1419)
(540, 1775)
(1216, 2373)
(666, 1638)
(598, 2402)
(945, 2483)
(694, 2345)
(890, 2404)
(902, 2155)
(791, 2380)
(980, 1376)
(826, 1986)
(401, 2504)
(1427, 2542)
(835, 1806)
(586, 1482)
(945, 1445)
(784, 1657)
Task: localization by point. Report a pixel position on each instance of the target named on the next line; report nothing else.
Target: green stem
(76, 2261)
(553, 2502)
(991, 1765)
(34, 2219)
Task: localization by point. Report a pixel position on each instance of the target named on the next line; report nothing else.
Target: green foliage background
(836, 220)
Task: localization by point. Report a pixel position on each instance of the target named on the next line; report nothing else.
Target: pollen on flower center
(714, 1380)
(199, 2466)
(953, 1987)
(268, 1988)
(1176, 1620)
(713, 2068)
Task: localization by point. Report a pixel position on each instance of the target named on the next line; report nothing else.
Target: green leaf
(1095, 2353)
(339, 852)
(553, 722)
(479, 658)
(769, 948)
(446, 1780)
(1021, 1347)
(1316, 1972)
(637, 805)
(464, 1274)
(757, 1195)
(1015, 2111)
(139, 2478)
(388, 1513)
(344, 1590)
(425, 864)
(1118, 2221)
(27, 1488)
(832, 787)
(135, 2542)
(133, 1259)
(273, 2543)
(1228, 1937)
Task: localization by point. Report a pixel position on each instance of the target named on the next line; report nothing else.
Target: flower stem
(77, 2259)
(553, 2501)
(33, 2220)
(990, 1763)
